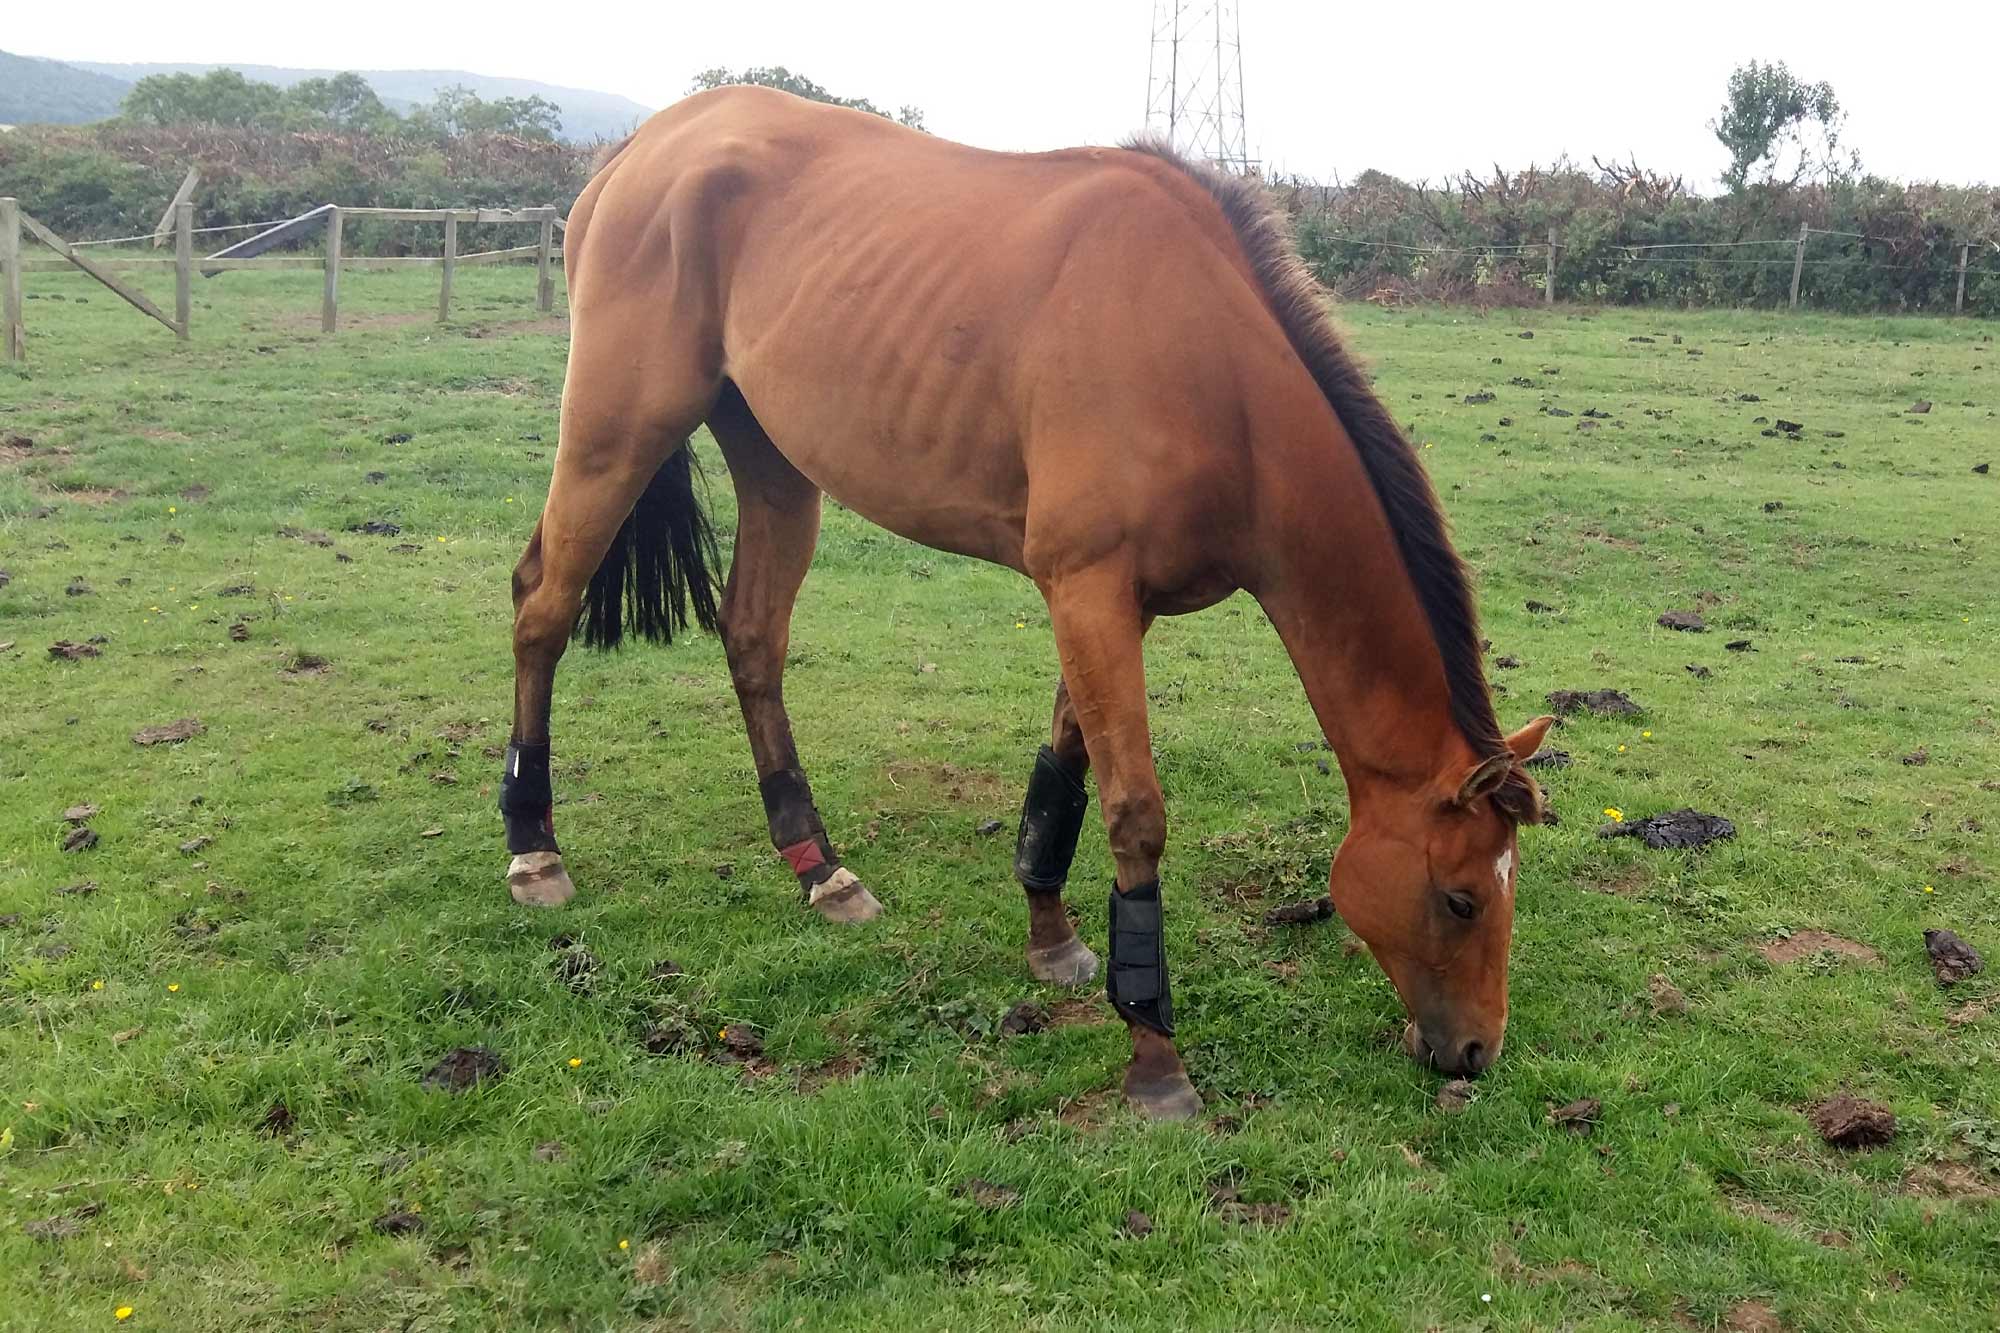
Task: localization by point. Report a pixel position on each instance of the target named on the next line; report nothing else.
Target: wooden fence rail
(248, 254)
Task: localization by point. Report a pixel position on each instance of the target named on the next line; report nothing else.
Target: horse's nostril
(1475, 1057)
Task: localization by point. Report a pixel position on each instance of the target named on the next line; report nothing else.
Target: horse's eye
(1463, 905)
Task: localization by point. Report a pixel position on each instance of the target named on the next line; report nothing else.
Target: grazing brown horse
(1104, 368)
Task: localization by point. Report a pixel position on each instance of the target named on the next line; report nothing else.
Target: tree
(777, 76)
(1770, 116)
(344, 102)
(459, 110)
(219, 97)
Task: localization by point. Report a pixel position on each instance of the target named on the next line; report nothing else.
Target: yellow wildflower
(575, 1061)
(173, 986)
(97, 985)
(172, 509)
(1020, 624)
(122, 1313)
(1621, 749)
(1645, 735)
(1929, 889)
(1614, 814)
(624, 1244)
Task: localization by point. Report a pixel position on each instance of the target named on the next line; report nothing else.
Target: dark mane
(1398, 478)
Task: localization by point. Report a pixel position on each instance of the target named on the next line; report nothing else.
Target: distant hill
(586, 115)
(46, 92)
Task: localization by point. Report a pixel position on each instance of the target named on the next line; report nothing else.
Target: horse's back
(922, 326)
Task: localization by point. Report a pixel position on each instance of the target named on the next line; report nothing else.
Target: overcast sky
(1414, 89)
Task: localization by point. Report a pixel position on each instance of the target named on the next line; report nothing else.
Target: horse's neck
(1344, 606)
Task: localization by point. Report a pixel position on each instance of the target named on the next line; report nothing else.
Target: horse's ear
(1484, 779)
(1529, 738)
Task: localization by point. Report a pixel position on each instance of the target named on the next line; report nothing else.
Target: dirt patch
(575, 968)
(277, 1121)
(377, 527)
(1548, 759)
(303, 666)
(398, 1223)
(743, 1046)
(1090, 1112)
(1455, 1096)
(1970, 1012)
(309, 536)
(1847, 1121)
(78, 814)
(1666, 998)
(1951, 957)
(171, 733)
(1078, 1012)
(62, 650)
(962, 786)
(1752, 1317)
(1801, 944)
(1951, 1180)
(463, 1068)
(1624, 882)
(1676, 830)
(1604, 703)
(1306, 913)
(80, 840)
(839, 1069)
(672, 1037)
(1024, 1018)
(1225, 1201)
(92, 496)
(1685, 621)
(62, 1226)
(1580, 1116)
(986, 1194)
(1137, 1226)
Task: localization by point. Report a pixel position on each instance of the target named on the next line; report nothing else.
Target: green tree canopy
(777, 76)
(1777, 122)
(343, 102)
(219, 97)
(459, 110)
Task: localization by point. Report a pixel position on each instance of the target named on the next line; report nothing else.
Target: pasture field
(212, 1063)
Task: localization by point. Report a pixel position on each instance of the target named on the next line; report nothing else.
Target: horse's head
(1426, 878)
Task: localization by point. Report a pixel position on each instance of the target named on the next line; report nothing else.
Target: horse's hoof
(537, 879)
(843, 898)
(1163, 1097)
(1065, 964)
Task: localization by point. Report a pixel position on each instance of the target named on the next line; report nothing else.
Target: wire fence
(1573, 268)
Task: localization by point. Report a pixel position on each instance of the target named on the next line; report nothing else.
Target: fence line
(1640, 252)
(247, 254)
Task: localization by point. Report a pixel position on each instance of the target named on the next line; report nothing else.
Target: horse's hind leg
(777, 526)
(622, 419)
(1051, 817)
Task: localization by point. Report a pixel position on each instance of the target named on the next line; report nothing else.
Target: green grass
(327, 952)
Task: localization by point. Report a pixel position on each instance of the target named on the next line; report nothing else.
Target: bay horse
(1103, 368)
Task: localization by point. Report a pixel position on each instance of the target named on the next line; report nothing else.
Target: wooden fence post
(1964, 255)
(181, 196)
(545, 283)
(183, 266)
(450, 266)
(1799, 263)
(13, 342)
(329, 308)
(1549, 283)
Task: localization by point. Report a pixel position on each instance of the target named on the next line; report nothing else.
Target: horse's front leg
(1098, 628)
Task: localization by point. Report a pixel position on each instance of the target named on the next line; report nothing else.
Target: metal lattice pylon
(1194, 81)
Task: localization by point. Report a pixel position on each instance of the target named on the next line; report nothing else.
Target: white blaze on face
(1503, 866)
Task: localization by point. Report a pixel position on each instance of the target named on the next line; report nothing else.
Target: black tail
(661, 560)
